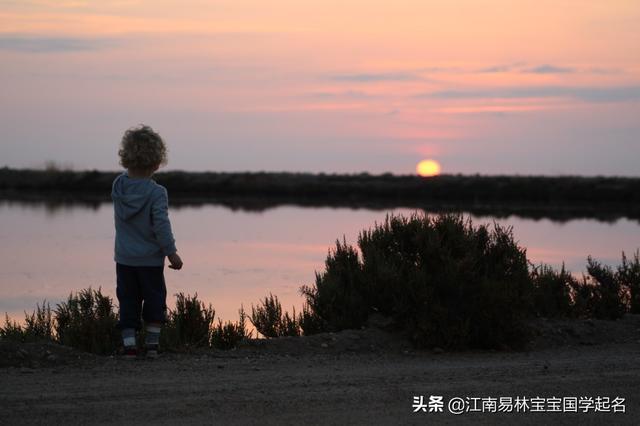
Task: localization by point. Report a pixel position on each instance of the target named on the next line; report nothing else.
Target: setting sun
(428, 168)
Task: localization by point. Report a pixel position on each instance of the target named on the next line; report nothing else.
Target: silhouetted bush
(39, 324)
(189, 325)
(266, 317)
(11, 330)
(289, 325)
(553, 291)
(628, 274)
(269, 320)
(310, 322)
(229, 334)
(87, 321)
(443, 281)
(584, 296)
(602, 293)
(608, 292)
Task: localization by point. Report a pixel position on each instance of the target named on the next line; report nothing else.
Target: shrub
(37, 326)
(553, 291)
(337, 300)
(269, 320)
(601, 293)
(310, 323)
(12, 330)
(189, 325)
(289, 325)
(228, 335)
(608, 292)
(443, 281)
(87, 321)
(584, 296)
(266, 318)
(628, 274)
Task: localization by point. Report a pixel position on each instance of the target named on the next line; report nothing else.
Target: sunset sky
(490, 87)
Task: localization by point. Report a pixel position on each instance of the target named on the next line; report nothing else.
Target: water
(236, 257)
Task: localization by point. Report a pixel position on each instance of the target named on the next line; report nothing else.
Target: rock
(438, 350)
(22, 354)
(51, 358)
(27, 370)
(324, 345)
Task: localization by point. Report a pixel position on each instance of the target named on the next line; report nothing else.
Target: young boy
(143, 239)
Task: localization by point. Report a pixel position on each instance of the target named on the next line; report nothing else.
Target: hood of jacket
(130, 195)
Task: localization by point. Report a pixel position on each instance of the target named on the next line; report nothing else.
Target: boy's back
(143, 230)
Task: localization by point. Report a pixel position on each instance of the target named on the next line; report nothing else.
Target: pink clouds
(297, 80)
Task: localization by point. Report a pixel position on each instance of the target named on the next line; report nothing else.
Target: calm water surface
(236, 257)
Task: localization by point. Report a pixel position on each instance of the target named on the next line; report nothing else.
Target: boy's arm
(161, 223)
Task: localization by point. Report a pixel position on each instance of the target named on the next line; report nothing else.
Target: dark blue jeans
(140, 290)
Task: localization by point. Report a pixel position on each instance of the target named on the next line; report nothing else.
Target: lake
(234, 257)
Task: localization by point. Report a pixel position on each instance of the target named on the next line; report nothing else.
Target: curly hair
(142, 149)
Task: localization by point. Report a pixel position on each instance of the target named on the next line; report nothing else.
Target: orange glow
(414, 79)
(427, 168)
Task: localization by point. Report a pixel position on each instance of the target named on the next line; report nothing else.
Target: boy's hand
(175, 261)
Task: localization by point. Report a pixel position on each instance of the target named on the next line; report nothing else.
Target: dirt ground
(353, 377)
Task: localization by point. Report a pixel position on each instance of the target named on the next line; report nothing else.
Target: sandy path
(250, 387)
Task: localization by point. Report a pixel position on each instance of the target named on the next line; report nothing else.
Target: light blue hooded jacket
(141, 215)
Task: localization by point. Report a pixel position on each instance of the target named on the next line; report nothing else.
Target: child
(143, 239)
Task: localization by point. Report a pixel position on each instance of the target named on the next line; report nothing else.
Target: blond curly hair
(142, 149)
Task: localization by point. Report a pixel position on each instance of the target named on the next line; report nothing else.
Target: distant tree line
(541, 196)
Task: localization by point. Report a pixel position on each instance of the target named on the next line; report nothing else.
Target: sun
(428, 168)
